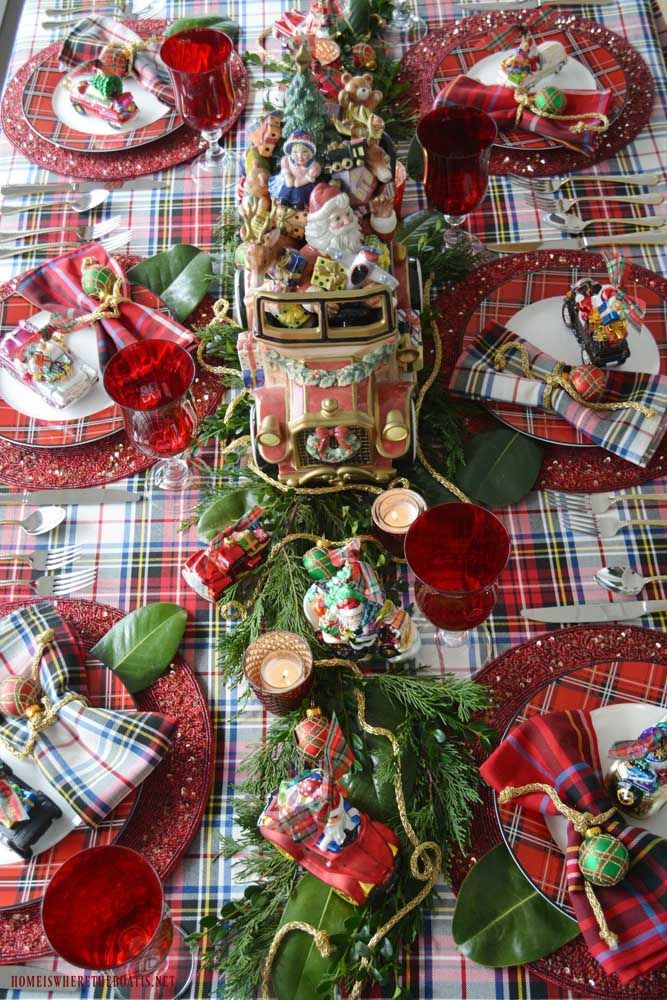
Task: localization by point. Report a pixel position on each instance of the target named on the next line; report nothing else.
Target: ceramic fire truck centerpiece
(328, 300)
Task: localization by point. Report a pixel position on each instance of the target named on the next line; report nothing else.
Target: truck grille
(362, 457)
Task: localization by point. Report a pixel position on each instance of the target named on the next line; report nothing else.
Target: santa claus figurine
(333, 228)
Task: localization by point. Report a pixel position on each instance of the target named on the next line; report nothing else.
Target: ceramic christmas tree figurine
(637, 780)
(305, 107)
(531, 63)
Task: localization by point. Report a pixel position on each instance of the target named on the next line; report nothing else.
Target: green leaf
(299, 968)
(501, 466)
(140, 647)
(500, 918)
(358, 15)
(415, 161)
(424, 225)
(217, 21)
(224, 511)
(180, 277)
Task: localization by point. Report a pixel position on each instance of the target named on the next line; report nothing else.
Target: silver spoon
(573, 224)
(40, 521)
(84, 203)
(623, 580)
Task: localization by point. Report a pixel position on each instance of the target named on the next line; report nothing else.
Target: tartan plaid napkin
(627, 433)
(89, 36)
(499, 103)
(560, 749)
(56, 287)
(93, 756)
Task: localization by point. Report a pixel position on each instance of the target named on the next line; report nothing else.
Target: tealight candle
(393, 512)
(279, 668)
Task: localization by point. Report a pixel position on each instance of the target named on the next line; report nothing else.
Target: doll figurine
(299, 171)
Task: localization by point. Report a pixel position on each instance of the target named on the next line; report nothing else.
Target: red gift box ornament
(236, 550)
(590, 382)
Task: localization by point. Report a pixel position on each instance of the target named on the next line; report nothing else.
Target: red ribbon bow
(500, 103)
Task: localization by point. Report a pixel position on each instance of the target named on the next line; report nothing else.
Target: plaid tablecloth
(138, 550)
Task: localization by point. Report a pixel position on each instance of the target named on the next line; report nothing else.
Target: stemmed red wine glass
(200, 65)
(456, 552)
(457, 144)
(104, 911)
(151, 381)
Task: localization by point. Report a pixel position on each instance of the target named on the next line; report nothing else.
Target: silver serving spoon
(623, 580)
(84, 203)
(573, 224)
(40, 521)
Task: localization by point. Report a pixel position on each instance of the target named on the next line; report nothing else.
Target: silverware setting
(624, 580)
(605, 525)
(88, 495)
(110, 243)
(81, 187)
(575, 224)
(655, 238)
(46, 558)
(577, 614)
(83, 234)
(546, 201)
(55, 584)
(138, 12)
(528, 4)
(598, 503)
(40, 521)
(82, 203)
(549, 185)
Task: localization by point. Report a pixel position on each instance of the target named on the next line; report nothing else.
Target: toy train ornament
(328, 301)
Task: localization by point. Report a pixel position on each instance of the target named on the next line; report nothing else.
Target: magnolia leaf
(140, 647)
(299, 968)
(415, 161)
(357, 15)
(500, 918)
(225, 511)
(420, 225)
(217, 21)
(180, 277)
(501, 466)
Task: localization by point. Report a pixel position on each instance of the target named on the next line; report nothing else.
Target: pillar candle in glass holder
(279, 668)
(393, 512)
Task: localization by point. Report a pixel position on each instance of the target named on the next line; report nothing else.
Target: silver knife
(85, 496)
(647, 238)
(530, 4)
(573, 614)
(80, 187)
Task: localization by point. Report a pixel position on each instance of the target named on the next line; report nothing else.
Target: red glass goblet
(457, 145)
(456, 552)
(151, 381)
(104, 911)
(200, 65)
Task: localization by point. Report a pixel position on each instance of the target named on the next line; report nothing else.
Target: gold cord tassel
(526, 102)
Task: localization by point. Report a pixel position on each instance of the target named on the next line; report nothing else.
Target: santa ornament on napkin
(625, 927)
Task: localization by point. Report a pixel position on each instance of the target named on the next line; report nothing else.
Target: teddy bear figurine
(358, 91)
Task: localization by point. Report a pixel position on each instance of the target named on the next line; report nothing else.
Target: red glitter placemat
(563, 467)
(514, 678)
(103, 461)
(178, 147)
(422, 66)
(173, 798)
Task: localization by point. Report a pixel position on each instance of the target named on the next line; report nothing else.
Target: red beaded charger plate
(120, 165)
(564, 467)
(533, 288)
(37, 104)
(516, 679)
(172, 800)
(610, 59)
(96, 460)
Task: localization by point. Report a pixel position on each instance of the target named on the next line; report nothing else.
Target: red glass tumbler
(151, 380)
(200, 65)
(456, 552)
(457, 144)
(104, 911)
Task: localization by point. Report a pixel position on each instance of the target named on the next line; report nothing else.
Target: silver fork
(573, 224)
(548, 185)
(57, 584)
(110, 243)
(605, 525)
(46, 558)
(565, 204)
(598, 503)
(122, 6)
(65, 22)
(84, 234)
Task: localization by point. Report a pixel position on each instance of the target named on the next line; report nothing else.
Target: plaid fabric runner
(92, 756)
(629, 433)
(560, 749)
(89, 37)
(56, 285)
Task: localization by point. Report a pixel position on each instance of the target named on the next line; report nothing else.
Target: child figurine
(299, 171)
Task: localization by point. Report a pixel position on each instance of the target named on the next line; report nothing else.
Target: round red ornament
(363, 56)
(311, 733)
(589, 381)
(17, 695)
